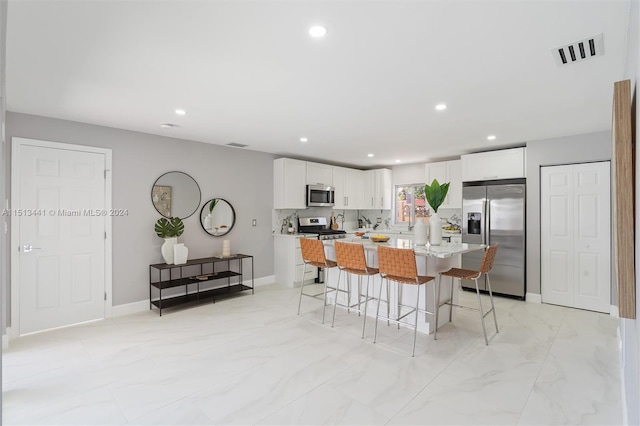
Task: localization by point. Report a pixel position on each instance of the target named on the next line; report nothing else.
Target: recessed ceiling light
(441, 107)
(369, 155)
(491, 137)
(304, 140)
(398, 161)
(181, 112)
(167, 125)
(317, 31)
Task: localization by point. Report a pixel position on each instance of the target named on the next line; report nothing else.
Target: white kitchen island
(430, 260)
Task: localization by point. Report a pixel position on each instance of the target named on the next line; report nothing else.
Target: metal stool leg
(304, 269)
(366, 303)
(415, 326)
(335, 302)
(495, 320)
(481, 313)
(453, 280)
(375, 329)
(435, 326)
(324, 301)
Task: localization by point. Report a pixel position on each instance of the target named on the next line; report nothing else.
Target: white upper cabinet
(349, 185)
(503, 164)
(447, 171)
(289, 184)
(319, 174)
(378, 190)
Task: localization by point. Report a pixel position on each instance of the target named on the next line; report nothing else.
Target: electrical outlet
(379, 220)
(254, 222)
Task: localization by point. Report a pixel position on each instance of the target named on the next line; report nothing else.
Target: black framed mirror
(176, 194)
(217, 217)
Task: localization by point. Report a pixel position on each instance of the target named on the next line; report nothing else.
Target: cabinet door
(383, 190)
(435, 171)
(369, 190)
(454, 177)
(503, 164)
(354, 188)
(289, 177)
(319, 174)
(340, 195)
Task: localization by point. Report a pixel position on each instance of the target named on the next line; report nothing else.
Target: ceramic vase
(180, 254)
(435, 230)
(167, 249)
(420, 231)
(208, 220)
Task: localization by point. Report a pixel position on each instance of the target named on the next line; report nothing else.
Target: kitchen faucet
(341, 216)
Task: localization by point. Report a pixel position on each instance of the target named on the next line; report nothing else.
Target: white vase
(435, 230)
(167, 249)
(420, 231)
(208, 220)
(180, 254)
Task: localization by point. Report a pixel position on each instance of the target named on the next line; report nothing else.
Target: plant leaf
(436, 194)
(177, 226)
(213, 204)
(163, 228)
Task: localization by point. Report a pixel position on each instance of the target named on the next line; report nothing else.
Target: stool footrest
(448, 302)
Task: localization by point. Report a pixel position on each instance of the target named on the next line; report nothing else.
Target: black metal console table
(197, 276)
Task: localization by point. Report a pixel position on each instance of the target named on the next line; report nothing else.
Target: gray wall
(630, 329)
(242, 177)
(566, 150)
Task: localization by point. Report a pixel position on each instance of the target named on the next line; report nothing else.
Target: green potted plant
(435, 193)
(169, 229)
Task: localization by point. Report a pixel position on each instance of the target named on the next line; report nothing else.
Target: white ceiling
(248, 72)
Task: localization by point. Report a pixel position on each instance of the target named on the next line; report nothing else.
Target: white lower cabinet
(288, 263)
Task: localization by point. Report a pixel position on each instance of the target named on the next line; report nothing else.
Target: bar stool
(399, 265)
(351, 260)
(468, 274)
(313, 254)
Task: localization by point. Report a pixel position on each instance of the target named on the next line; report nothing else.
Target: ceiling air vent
(579, 51)
(237, 145)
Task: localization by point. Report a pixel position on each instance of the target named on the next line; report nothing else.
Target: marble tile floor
(252, 360)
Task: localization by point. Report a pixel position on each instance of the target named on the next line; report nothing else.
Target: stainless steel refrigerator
(494, 213)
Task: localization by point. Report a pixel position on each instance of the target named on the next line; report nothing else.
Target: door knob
(27, 248)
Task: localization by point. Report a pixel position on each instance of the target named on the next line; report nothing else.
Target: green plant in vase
(435, 193)
(169, 229)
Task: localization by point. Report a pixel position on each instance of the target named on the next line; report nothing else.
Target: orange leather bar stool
(313, 255)
(399, 265)
(351, 260)
(468, 274)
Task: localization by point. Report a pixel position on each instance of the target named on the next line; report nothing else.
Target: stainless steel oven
(320, 196)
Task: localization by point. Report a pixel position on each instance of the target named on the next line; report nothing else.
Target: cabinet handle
(347, 203)
(381, 201)
(371, 201)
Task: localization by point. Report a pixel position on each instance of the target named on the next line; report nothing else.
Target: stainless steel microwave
(320, 195)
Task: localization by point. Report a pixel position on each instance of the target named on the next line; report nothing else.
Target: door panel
(62, 281)
(575, 236)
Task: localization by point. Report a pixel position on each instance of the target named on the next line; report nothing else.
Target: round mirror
(217, 217)
(176, 194)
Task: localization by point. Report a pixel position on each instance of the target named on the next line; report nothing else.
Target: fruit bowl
(358, 234)
(379, 238)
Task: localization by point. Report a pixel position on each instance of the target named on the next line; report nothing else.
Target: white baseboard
(533, 298)
(143, 305)
(130, 308)
(259, 282)
(614, 311)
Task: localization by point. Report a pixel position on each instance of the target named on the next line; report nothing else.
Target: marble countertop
(442, 251)
(277, 235)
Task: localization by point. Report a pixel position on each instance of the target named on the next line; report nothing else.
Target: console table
(200, 279)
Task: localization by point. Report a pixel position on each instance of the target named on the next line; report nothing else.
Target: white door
(60, 208)
(576, 236)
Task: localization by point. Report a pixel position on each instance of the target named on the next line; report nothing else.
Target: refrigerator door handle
(487, 223)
